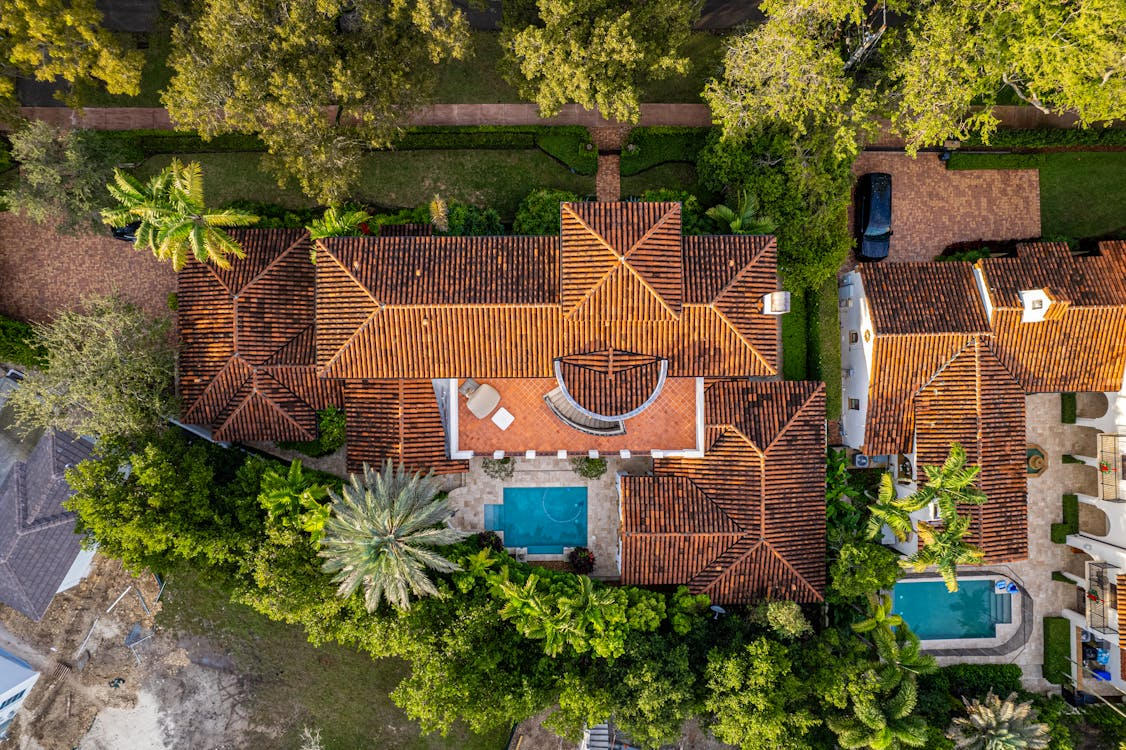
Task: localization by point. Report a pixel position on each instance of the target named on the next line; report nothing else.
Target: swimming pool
(543, 519)
(973, 611)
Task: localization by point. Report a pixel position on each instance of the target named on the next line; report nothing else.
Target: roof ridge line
(782, 558)
(794, 417)
(348, 273)
(347, 343)
(741, 337)
(229, 364)
(272, 263)
(745, 269)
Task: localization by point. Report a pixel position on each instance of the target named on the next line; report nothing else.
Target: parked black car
(873, 216)
(127, 233)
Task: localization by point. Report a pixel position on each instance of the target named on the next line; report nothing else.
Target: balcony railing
(1111, 478)
(1100, 598)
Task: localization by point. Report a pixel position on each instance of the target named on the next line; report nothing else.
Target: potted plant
(1093, 595)
(1105, 468)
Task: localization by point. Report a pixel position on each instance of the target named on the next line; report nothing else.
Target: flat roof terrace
(669, 424)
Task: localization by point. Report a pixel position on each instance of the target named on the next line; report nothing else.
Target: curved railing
(561, 406)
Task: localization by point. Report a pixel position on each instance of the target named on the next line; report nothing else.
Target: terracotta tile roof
(974, 401)
(248, 342)
(38, 544)
(507, 307)
(610, 383)
(746, 521)
(406, 230)
(397, 420)
(916, 298)
(1081, 346)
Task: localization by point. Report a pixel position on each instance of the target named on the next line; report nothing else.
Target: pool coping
(1016, 641)
(521, 551)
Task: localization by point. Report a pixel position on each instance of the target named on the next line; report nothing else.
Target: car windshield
(877, 233)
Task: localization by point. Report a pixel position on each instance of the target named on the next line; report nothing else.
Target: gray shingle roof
(37, 540)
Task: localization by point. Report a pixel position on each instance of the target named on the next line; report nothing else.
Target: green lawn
(154, 77)
(674, 174)
(476, 79)
(1057, 650)
(397, 179)
(811, 348)
(1082, 193)
(705, 51)
(339, 690)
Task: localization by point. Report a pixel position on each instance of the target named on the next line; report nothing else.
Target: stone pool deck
(603, 522)
(1034, 575)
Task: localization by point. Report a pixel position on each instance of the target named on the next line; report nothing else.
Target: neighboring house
(40, 554)
(936, 353)
(16, 680)
(607, 339)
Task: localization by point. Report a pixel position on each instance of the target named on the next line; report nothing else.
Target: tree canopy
(318, 82)
(49, 39)
(108, 374)
(597, 53)
(938, 77)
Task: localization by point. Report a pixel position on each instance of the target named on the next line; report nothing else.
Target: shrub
(1057, 650)
(331, 435)
(273, 216)
(173, 301)
(139, 144)
(569, 143)
(464, 220)
(976, 680)
(1070, 524)
(1051, 137)
(17, 344)
(785, 618)
(499, 468)
(590, 468)
(538, 213)
(489, 540)
(1067, 408)
(581, 560)
(648, 147)
(862, 568)
(693, 220)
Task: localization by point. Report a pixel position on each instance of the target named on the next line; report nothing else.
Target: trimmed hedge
(1067, 408)
(1057, 650)
(567, 143)
(1051, 137)
(1070, 524)
(648, 147)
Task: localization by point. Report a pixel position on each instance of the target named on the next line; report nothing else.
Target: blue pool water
(543, 519)
(972, 611)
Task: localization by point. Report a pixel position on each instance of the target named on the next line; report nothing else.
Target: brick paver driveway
(42, 272)
(933, 207)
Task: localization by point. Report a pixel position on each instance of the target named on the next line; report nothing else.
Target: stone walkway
(933, 207)
(609, 141)
(42, 272)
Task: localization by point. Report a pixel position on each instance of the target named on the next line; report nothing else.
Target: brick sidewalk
(42, 272)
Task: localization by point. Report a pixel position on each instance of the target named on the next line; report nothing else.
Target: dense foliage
(539, 212)
(596, 53)
(62, 175)
(331, 434)
(18, 345)
(939, 76)
(294, 74)
(108, 372)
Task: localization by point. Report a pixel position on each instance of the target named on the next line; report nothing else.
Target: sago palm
(173, 219)
(945, 548)
(950, 485)
(379, 536)
(745, 219)
(995, 724)
(891, 511)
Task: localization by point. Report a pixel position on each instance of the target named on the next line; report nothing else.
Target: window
(1037, 304)
(13, 699)
(853, 337)
(854, 404)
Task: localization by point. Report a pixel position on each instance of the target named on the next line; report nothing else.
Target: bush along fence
(648, 147)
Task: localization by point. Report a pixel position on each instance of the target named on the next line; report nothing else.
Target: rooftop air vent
(776, 303)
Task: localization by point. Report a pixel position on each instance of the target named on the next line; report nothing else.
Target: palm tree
(744, 220)
(945, 548)
(881, 617)
(534, 617)
(172, 216)
(339, 222)
(891, 511)
(379, 534)
(881, 717)
(994, 724)
(295, 499)
(951, 484)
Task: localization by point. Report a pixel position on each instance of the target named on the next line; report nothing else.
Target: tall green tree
(939, 76)
(862, 568)
(945, 547)
(380, 534)
(62, 175)
(759, 703)
(173, 218)
(995, 724)
(109, 373)
(950, 485)
(894, 512)
(65, 39)
(881, 717)
(319, 82)
(597, 53)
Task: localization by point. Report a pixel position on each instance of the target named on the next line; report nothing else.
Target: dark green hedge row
(648, 147)
(140, 144)
(569, 144)
(1049, 137)
(1057, 650)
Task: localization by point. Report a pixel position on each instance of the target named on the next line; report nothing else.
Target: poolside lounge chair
(483, 401)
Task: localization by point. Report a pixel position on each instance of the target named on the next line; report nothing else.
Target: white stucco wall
(855, 317)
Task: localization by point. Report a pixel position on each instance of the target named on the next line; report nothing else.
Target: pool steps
(1001, 608)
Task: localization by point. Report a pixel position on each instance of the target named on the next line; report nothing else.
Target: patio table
(503, 418)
